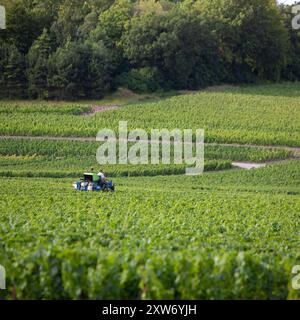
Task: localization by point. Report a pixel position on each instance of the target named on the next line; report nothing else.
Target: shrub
(141, 80)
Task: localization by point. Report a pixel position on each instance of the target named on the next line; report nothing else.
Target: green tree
(178, 42)
(80, 71)
(292, 70)
(71, 15)
(14, 78)
(24, 25)
(96, 7)
(4, 52)
(251, 35)
(141, 80)
(112, 21)
(38, 65)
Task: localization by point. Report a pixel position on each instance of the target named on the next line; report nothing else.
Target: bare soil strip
(248, 165)
(97, 109)
(287, 148)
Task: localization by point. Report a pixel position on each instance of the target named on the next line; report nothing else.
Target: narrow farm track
(97, 109)
(253, 165)
(296, 150)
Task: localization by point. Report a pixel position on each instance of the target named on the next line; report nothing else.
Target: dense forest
(67, 49)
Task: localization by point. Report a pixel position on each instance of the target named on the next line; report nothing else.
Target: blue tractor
(92, 182)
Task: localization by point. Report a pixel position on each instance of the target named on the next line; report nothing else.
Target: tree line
(72, 49)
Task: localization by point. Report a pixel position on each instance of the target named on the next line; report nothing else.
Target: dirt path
(252, 165)
(287, 148)
(97, 109)
(51, 138)
(296, 150)
(248, 165)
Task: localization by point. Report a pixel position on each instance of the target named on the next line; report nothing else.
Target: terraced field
(268, 115)
(36, 158)
(228, 233)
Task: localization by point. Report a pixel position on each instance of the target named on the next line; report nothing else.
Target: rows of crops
(240, 116)
(47, 108)
(168, 237)
(74, 167)
(46, 158)
(283, 178)
(222, 235)
(56, 149)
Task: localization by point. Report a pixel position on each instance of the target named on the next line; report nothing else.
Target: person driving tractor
(102, 176)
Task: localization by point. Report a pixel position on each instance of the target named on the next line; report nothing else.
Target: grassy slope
(266, 115)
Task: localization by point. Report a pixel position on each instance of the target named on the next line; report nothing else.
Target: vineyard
(176, 231)
(45, 158)
(243, 116)
(227, 234)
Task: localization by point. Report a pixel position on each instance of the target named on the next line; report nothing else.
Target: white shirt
(101, 175)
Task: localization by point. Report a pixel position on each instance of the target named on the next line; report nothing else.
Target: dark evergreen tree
(14, 73)
(38, 66)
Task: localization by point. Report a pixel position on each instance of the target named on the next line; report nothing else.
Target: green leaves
(228, 235)
(262, 115)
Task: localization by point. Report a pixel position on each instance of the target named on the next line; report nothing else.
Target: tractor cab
(91, 178)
